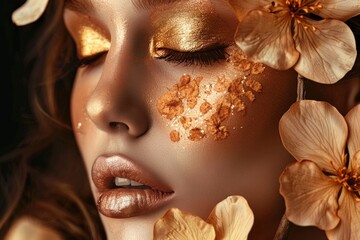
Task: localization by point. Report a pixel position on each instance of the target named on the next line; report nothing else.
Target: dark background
(14, 109)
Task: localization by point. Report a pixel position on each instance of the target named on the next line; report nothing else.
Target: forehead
(87, 5)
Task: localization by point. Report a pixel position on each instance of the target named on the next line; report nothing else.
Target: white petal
(232, 218)
(315, 131)
(353, 120)
(327, 53)
(243, 7)
(310, 196)
(29, 12)
(339, 9)
(267, 38)
(349, 213)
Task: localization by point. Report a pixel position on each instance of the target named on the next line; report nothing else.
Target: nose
(117, 103)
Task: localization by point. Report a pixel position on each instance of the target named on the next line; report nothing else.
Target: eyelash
(202, 57)
(90, 60)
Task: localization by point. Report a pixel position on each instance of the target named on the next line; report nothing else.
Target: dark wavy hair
(30, 184)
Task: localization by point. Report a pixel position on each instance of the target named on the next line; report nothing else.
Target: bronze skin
(125, 142)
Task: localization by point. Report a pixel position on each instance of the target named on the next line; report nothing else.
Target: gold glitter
(224, 109)
(216, 129)
(222, 84)
(188, 88)
(205, 107)
(254, 85)
(250, 95)
(91, 41)
(198, 119)
(236, 89)
(239, 105)
(186, 122)
(175, 136)
(196, 134)
(170, 105)
(257, 68)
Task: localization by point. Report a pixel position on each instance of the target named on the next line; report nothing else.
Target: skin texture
(30, 229)
(114, 112)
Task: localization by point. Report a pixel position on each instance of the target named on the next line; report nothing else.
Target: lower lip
(125, 203)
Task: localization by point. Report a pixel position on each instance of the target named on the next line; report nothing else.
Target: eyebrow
(87, 6)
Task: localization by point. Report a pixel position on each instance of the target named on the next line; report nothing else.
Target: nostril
(116, 125)
(357, 98)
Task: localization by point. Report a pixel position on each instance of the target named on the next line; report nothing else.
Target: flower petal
(349, 213)
(339, 9)
(29, 12)
(316, 131)
(354, 165)
(176, 224)
(331, 40)
(267, 38)
(232, 218)
(353, 120)
(310, 196)
(243, 7)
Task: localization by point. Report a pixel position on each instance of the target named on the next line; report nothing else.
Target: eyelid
(91, 60)
(91, 40)
(204, 56)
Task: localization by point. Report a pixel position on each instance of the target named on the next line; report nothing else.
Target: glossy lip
(126, 202)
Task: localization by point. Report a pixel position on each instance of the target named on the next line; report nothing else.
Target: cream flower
(323, 187)
(29, 12)
(231, 219)
(308, 35)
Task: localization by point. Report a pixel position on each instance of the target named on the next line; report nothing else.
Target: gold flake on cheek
(91, 41)
(198, 108)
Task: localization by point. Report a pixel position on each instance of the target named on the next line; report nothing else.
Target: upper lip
(104, 171)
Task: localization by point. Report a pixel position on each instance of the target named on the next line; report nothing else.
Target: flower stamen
(350, 181)
(297, 11)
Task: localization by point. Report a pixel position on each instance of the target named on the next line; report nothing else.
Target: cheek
(221, 103)
(82, 89)
(225, 122)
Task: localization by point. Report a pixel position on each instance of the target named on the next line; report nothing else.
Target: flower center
(298, 9)
(350, 181)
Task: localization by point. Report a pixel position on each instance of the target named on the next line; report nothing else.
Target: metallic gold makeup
(185, 31)
(91, 41)
(198, 108)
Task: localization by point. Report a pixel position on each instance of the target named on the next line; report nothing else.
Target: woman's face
(165, 100)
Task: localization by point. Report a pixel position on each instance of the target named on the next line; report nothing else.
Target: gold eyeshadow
(186, 31)
(91, 40)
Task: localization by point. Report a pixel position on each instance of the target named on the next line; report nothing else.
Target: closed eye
(201, 57)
